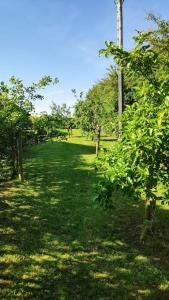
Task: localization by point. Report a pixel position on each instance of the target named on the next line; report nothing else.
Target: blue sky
(62, 38)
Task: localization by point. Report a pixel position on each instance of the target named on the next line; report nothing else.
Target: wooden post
(20, 156)
(13, 155)
(98, 133)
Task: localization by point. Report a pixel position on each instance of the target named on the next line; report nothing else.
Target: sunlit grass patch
(7, 230)
(116, 257)
(64, 256)
(141, 259)
(5, 282)
(33, 272)
(11, 259)
(32, 285)
(87, 254)
(164, 286)
(9, 248)
(42, 258)
(100, 275)
(123, 270)
(57, 244)
(144, 292)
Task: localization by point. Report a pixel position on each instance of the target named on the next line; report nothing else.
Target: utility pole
(119, 5)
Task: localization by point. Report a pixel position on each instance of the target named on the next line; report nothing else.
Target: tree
(61, 114)
(42, 126)
(138, 163)
(16, 104)
(97, 111)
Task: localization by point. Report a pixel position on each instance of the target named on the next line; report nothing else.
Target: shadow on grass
(57, 244)
(109, 139)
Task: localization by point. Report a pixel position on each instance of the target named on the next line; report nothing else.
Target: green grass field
(58, 244)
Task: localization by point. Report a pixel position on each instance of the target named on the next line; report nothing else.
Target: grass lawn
(57, 244)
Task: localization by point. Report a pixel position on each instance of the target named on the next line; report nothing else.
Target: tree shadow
(109, 139)
(56, 243)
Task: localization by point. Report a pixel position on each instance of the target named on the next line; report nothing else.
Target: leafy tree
(98, 110)
(16, 104)
(61, 114)
(138, 163)
(42, 126)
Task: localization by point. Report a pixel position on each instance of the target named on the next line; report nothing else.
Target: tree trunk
(150, 206)
(150, 210)
(148, 226)
(20, 156)
(98, 133)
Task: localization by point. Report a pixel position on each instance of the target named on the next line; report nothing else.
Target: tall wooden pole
(119, 5)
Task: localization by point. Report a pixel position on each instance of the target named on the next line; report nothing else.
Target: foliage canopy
(139, 162)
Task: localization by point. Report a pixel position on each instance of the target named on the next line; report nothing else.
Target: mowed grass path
(57, 244)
